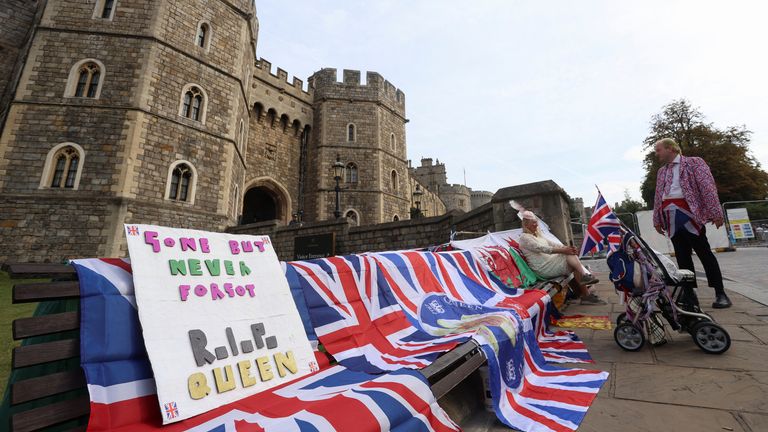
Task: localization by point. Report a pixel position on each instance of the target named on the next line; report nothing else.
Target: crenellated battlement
(376, 88)
(279, 79)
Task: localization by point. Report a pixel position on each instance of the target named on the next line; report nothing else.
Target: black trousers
(684, 242)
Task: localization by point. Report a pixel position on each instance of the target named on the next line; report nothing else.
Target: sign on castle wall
(314, 246)
(217, 315)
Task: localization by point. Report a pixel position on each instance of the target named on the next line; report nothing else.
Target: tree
(737, 173)
(626, 208)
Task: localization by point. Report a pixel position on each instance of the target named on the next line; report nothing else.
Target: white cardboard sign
(217, 315)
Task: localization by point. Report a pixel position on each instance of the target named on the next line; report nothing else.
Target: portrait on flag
(218, 318)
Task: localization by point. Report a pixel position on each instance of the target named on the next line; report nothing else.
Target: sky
(509, 92)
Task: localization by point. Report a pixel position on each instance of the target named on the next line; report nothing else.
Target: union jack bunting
(602, 223)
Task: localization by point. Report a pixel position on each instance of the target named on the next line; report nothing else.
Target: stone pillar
(545, 198)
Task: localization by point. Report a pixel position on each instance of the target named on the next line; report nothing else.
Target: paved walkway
(675, 387)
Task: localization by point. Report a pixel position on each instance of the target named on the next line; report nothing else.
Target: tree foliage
(737, 173)
(626, 208)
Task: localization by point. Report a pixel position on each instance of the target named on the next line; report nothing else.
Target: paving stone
(761, 331)
(756, 422)
(739, 334)
(728, 316)
(707, 388)
(606, 350)
(741, 356)
(632, 416)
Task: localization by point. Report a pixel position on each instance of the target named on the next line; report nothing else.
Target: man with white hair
(686, 199)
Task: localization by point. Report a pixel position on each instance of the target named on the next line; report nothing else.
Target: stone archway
(265, 200)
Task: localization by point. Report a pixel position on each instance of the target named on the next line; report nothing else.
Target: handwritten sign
(217, 315)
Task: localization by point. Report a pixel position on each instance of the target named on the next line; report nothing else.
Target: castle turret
(364, 125)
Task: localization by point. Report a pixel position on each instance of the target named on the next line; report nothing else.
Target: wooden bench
(59, 397)
(62, 397)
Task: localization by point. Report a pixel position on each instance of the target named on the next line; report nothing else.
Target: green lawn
(8, 313)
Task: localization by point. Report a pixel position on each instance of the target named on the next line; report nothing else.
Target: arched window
(353, 216)
(85, 79)
(296, 127)
(241, 138)
(351, 133)
(181, 184)
(258, 110)
(271, 115)
(235, 200)
(284, 122)
(351, 173)
(392, 141)
(203, 35)
(193, 103)
(394, 180)
(105, 9)
(395, 218)
(63, 167)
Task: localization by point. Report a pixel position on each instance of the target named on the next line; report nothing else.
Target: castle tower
(364, 125)
(126, 111)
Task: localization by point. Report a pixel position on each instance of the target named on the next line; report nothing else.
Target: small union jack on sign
(133, 230)
(171, 411)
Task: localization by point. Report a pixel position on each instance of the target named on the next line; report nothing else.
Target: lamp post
(417, 200)
(338, 173)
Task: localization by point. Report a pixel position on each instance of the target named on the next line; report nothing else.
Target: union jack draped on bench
(382, 316)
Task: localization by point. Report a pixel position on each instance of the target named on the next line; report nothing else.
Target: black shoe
(721, 302)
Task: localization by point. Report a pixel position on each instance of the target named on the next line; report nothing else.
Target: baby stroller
(654, 288)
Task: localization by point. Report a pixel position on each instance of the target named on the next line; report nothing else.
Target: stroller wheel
(622, 318)
(711, 337)
(629, 337)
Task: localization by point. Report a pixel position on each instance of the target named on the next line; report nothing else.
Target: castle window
(63, 167)
(271, 115)
(258, 110)
(296, 127)
(351, 173)
(85, 79)
(241, 138)
(104, 9)
(193, 103)
(394, 180)
(461, 202)
(235, 200)
(351, 133)
(284, 122)
(392, 141)
(181, 182)
(203, 35)
(353, 216)
(395, 218)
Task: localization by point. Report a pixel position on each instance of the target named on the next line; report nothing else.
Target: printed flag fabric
(602, 223)
(369, 312)
(123, 397)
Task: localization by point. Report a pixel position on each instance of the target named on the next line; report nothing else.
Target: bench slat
(30, 270)
(444, 385)
(34, 292)
(49, 415)
(47, 385)
(28, 355)
(446, 360)
(46, 324)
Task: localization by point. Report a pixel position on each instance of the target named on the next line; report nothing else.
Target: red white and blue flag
(602, 224)
(123, 396)
(369, 313)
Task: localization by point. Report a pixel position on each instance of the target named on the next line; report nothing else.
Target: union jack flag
(602, 223)
(122, 387)
(369, 311)
(132, 230)
(170, 410)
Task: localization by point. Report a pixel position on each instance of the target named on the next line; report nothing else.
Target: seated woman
(549, 259)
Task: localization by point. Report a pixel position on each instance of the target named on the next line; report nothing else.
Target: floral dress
(538, 253)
